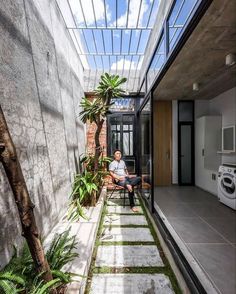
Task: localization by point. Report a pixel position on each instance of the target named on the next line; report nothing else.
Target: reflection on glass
(157, 62)
(145, 121)
(178, 18)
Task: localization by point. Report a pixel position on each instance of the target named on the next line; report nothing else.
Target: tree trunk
(97, 144)
(10, 162)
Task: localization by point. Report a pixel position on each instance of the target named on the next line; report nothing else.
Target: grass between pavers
(166, 269)
(130, 270)
(117, 213)
(124, 226)
(125, 243)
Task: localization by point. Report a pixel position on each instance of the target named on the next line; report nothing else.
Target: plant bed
(85, 231)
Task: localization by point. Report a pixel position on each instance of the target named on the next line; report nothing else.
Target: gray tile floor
(208, 229)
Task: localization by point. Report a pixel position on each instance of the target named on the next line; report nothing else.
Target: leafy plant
(61, 250)
(20, 274)
(10, 282)
(88, 184)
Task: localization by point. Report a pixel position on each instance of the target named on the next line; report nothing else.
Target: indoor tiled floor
(208, 229)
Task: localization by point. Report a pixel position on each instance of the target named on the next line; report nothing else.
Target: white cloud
(126, 64)
(133, 14)
(88, 11)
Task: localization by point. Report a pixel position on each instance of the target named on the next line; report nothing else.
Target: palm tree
(95, 111)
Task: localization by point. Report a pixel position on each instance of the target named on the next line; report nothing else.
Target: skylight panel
(111, 9)
(143, 41)
(125, 41)
(116, 41)
(89, 39)
(98, 61)
(134, 41)
(108, 41)
(88, 12)
(112, 35)
(99, 41)
(76, 11)
(122, 13)
(91, 62)
(153, 14)
(106, 62)
(113, 62)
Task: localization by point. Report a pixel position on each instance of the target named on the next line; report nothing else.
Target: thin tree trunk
(97, 144)
(12, 167)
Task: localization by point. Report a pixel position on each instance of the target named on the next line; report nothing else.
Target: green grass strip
(126, 243)
(131, 270)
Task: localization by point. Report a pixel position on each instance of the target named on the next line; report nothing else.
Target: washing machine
(227, 185)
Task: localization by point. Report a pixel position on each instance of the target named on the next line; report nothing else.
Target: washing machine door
(227, 185)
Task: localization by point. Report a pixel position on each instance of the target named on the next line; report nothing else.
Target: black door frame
(121, 114)
(190, 123)
(148, 97)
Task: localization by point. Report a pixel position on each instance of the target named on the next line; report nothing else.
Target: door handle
(168, 155)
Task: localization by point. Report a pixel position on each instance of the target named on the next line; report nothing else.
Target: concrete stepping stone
(117, 195)
(131, 283)
(127, 235)
(128, 256)
(120, 202)
(121, 220)
(121, 209)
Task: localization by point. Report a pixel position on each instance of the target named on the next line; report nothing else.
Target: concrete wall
(225, 106)
(41, 84)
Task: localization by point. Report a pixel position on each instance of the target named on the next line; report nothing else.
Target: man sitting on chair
(119, 173)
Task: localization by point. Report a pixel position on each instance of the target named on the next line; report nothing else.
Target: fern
(20, 274)
(10, 282)
(61, 250)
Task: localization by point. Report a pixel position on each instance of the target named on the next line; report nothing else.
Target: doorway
(121, 135)
(186, 142)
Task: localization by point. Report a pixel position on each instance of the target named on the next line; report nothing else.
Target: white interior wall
(224, 105)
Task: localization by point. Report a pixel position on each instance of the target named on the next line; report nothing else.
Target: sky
(120, 42)
(122, 30)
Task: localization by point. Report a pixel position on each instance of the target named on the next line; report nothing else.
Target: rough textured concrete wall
(40, 90)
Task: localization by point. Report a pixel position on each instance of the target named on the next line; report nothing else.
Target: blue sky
(122, 30)
(126, 41)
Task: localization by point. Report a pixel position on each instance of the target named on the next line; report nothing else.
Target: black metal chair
(116, 187)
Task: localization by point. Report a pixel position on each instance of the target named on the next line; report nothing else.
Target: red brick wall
(91, 129)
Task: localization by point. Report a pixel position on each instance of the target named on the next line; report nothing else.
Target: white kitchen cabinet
(207, 143)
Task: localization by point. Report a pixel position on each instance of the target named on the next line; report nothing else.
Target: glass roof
(110, 36)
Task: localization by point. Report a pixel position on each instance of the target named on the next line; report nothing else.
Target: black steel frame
(189, 123)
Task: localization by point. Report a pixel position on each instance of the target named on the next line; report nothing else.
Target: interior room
(194, 158)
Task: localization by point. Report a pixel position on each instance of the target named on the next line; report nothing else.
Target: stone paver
(117, 195)
(120, 202)
(131, 284)
(115, 219)
(127, 234)
(128, 256)
(121, 209)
